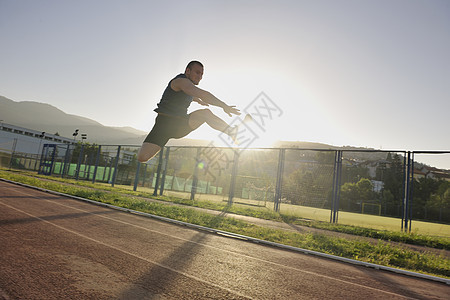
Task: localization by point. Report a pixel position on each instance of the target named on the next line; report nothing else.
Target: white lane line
(219, 249)
(127, 252)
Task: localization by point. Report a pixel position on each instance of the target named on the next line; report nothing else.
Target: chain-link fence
(430, 189)
(317, 184)
(19, 153)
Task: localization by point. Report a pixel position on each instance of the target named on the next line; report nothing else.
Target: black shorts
(167, 127)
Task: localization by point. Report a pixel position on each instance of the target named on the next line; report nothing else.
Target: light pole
(75, 134)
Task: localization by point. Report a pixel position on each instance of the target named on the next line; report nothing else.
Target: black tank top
(174, 103)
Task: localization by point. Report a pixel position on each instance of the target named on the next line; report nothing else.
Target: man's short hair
(190, 64)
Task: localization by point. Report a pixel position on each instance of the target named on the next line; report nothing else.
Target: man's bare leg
(201, 116)
(147, 151)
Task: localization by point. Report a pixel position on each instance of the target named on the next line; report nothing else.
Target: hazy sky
(344, 72)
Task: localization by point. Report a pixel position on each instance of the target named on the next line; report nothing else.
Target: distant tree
(325, 157)
(365, 190)
(349, 196)
(353, 174)
(296, 186)
(387, 196)
(439, 201)
(393, 179)
(423, 189)
(353, 194)
(431, 199)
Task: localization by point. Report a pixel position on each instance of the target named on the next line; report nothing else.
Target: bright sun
(249, 136)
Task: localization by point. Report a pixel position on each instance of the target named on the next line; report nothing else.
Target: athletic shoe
(248, 118)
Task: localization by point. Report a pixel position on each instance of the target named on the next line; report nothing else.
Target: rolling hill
(45, 117)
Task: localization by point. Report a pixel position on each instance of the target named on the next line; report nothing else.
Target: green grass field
(318, 214)
(368, 221)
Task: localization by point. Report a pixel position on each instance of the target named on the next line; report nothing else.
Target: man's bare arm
(200, 101)
(185, 85)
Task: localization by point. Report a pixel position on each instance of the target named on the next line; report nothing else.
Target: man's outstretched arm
(200, 101)
(185, 85)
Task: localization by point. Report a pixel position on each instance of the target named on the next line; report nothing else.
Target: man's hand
(231, 110)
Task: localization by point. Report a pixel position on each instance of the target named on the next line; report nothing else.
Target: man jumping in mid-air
(173, 121)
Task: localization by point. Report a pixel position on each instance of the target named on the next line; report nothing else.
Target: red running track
(55, 247)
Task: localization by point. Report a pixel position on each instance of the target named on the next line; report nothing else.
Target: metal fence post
(333, 198)
(407, 194)
(66, 162)
(336, 186)
(411, 191)
(116, 166)
(110, 169)
(195, 175)
(233, 177)
(404, 190)
(163, 179)
(279, 183)
(92, 159)
(80, 156)
(158, 172)
(97, 161)
(339, 179)
(136, 178)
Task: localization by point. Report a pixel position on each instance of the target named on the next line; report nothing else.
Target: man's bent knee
(202, 113)
(147, 151)
(199, 117)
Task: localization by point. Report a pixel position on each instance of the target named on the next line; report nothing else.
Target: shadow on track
(52, 218)
(162, 281)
